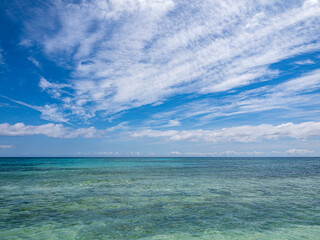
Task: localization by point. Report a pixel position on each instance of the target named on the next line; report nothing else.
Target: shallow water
(160, 198)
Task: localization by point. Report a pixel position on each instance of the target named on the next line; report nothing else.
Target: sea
(160, 198)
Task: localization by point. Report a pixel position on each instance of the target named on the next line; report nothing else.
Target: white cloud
(304, 62)
(310, 3)
(299, 151)
(48, 112)
(6, 146)
(55, 89)
(1, 57)
(50, 130)
(201, 154)
(99, 153)
(134, 153)
(129, 53)
(34, 61)
(295, 94)
(242, 134)
(44, 84)
(175, 153)
(120, 126)
(106, 153)
(52, 113)
(172, 123)
(224, 153)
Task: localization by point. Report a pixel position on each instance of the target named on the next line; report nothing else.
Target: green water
(160, 198)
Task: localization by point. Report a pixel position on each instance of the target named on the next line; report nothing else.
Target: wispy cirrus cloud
(49, 112)
(242, 134)
(304, 62)
(129, 53)
(34, 61)
(1, 57)
(297, 95)
(55, 89)
(172, 123)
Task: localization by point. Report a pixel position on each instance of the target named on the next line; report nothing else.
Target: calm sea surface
(160, 198)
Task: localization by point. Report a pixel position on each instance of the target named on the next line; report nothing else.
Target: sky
(173, 78)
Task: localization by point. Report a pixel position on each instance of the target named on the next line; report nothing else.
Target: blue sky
(159, 78)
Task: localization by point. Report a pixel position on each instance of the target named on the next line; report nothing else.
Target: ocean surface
(160, 198)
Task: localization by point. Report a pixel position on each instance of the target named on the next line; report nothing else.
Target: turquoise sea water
(160, 198)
